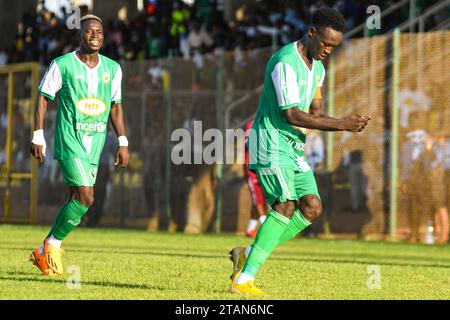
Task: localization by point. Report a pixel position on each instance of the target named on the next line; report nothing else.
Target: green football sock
(297, 224)
(68, 218)
(266, 240)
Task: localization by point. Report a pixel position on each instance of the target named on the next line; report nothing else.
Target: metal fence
(356, 175)
(18, 187)
(381, 178)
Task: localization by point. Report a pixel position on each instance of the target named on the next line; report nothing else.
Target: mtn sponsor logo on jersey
(99, 127)
(91, 107)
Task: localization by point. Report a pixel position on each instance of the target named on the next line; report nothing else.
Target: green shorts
(286, 184)
(78, 172)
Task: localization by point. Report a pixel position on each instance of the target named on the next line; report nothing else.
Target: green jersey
(288, 83)
(85, 99)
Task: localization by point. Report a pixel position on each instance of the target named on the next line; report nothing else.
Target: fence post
(412, 14)
(394, 135)
(9, 145)
(220, 125)
(330, 146)
(33, 163)
(167, 87)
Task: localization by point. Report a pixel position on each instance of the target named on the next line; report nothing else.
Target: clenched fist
(356, 123)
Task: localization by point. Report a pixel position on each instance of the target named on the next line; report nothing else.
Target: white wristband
(123, 141)
(38, 139)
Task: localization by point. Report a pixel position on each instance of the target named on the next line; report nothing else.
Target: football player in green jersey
(290, 103)
(89, 89)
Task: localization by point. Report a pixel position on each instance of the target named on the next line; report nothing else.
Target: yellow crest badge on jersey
(106, 77)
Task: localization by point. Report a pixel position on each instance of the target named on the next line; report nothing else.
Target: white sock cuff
(243, 278)
(55, 243)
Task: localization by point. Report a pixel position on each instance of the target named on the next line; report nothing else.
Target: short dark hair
(90, 17)
(326, 17)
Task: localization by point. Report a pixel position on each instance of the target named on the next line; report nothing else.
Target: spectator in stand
(165, 26)
(442, 166)
(221, 35)
(199, 40)
(3, 56)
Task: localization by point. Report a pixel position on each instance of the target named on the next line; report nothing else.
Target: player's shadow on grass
(13, 276)
(33, 277)
(335, 260)
(368, 255)
(152, 253)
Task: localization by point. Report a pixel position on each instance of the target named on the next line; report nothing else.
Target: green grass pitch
(133, 264)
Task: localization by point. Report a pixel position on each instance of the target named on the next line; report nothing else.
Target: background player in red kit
(259, 208)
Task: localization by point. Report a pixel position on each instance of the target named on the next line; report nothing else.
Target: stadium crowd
(165, 26)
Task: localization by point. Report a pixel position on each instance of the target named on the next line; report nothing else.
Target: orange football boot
(39, 261)
(53, 257)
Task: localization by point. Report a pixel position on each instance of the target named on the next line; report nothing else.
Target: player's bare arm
(122, 154)
(38, 144)
(316, 119)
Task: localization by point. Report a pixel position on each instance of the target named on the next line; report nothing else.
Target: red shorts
(255, 188)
